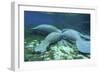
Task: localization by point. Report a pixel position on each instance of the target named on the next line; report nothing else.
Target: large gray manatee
(51, 38)
(82, 44)
(45, 29)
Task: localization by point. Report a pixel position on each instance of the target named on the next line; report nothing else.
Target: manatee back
(45, 29)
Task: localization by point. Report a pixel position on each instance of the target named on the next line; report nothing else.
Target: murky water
(76, 21)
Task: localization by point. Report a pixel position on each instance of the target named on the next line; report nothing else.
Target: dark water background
(77, 21)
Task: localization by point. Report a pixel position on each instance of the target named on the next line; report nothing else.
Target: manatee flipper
(83, 46)
(45, 29)
(51, 38)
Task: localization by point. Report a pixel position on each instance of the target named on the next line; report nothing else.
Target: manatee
(54, 34)
(51, 38)
(82, 44)
(45, 29)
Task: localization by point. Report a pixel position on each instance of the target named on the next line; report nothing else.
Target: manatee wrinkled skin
(54, 35)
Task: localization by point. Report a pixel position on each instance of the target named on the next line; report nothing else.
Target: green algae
(55, 51)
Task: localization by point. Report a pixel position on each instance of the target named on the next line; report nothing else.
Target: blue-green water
(76, 21)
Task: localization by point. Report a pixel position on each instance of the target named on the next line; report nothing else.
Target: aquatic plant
(54, 52)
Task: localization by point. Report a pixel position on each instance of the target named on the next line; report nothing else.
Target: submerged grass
(54, 52)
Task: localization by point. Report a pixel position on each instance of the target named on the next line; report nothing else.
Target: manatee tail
(83, 46)
(42, 47)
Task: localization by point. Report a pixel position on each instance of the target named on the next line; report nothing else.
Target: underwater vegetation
(54, 52)
(56, 44)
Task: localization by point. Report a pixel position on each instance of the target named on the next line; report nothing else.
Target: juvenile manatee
(51, 38)
(45, 29)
